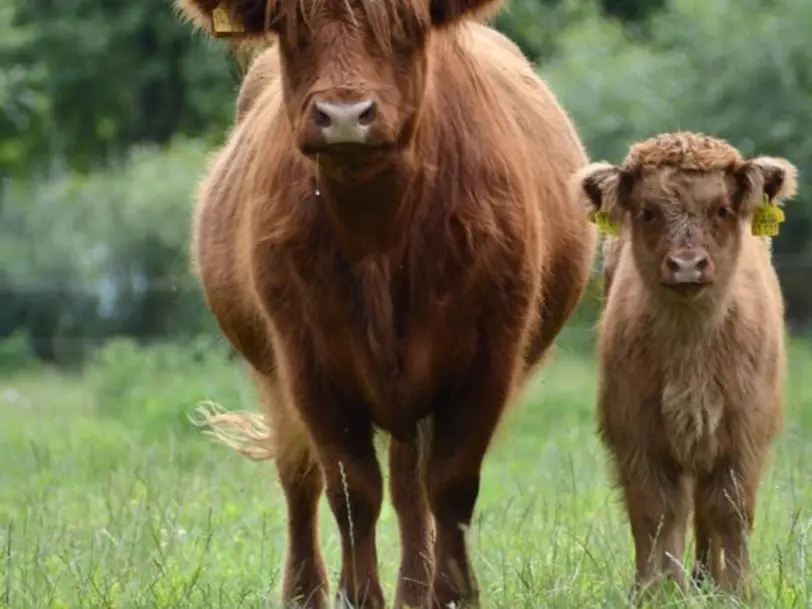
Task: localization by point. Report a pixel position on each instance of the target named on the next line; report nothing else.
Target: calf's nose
(687, 266)
(344, 123)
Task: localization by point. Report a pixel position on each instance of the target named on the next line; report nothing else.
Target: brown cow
(387, 238)
(691, 344)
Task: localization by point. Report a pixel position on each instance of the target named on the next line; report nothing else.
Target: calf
(387, 238)
(691, 344)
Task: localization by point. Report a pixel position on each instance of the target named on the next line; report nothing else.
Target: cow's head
(686, 200)
(354, 71)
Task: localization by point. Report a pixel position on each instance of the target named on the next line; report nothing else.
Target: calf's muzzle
(687, 266)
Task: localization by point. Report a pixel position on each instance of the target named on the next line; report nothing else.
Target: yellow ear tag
(604, 223)
(222, 24)
(766, 219)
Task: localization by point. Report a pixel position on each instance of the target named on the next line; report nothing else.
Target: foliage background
(108, 111)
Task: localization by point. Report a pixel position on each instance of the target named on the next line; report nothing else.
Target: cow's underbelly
(428, 361)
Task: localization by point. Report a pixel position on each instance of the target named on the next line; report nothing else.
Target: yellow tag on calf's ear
(604, 223)
(766, 219)
(222, 24)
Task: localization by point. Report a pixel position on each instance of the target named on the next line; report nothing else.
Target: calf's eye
(645, 215)
(724, 212)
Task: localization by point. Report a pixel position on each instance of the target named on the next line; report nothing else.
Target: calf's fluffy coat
(387, 239)
(691, 345)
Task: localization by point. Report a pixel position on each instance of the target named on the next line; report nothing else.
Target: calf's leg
(657, 500)
(727, 499)
(674, 545)
(708, 561)
(408, 492)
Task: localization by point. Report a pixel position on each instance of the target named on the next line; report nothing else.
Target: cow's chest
(693, 403)
(394, 336)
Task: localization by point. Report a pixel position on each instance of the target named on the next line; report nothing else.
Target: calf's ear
(447, 12)
(235, 19)
(774, 177)
(598, 186)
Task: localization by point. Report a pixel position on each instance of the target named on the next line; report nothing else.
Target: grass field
(109, 497)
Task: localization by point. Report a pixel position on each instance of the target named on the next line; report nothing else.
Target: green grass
(108, 498)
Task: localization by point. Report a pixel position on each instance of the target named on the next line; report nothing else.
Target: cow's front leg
(343, 438)
(408, 492)
(463, 428)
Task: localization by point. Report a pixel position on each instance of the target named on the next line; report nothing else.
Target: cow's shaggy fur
(417, 276)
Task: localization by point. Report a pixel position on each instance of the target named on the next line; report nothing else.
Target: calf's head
(686, 201)
(354, 71)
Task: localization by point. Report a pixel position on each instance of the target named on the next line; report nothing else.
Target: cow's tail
(246, 432)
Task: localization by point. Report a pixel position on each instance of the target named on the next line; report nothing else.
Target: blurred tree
(95, 77)
(632, 10)
(84, 80)
(738, 69)
(86, 257)
(535, 24)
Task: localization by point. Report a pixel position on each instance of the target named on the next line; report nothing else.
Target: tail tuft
(246, 432)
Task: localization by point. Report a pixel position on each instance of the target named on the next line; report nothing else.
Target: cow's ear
(235, 19)
(447, 12)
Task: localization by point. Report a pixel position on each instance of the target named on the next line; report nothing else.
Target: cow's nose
(344, 123)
